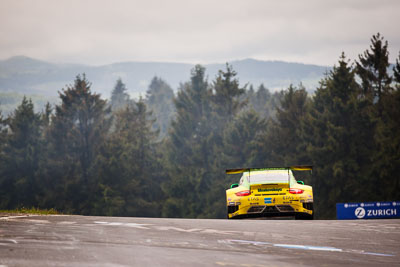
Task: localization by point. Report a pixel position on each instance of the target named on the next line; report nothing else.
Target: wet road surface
(63, 240)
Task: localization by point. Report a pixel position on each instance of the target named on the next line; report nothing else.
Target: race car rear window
(269, 177)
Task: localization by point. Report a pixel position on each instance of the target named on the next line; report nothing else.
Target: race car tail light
(243, 193)
(296, 191)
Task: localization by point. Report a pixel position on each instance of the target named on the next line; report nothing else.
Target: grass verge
(31, 211)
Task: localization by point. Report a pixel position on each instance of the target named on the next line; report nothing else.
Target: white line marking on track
(167, 228)
(308, 247)
(8, 241)
(39, 221)
(256, 243)
(137, 225)
(235, 264)
(377, 254)
(318, 248)
(115, 223)
(66, 222)
(133, 225)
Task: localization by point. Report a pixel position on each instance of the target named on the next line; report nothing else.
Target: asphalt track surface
(115, 241)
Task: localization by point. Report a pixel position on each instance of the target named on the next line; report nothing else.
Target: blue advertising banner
(368, 210)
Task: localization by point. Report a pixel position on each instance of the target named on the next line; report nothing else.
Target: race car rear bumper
(268, 211)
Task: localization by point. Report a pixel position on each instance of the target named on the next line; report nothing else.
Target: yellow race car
(269, 192)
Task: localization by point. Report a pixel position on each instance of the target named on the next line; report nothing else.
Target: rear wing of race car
(288, 169)
(293, 168)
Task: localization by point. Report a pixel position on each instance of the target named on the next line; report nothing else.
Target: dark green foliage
(396, 70)
(79, 157)
(373, 69)
(188, 147)
(128, 166)
(280, 145)
(80, 124)
(338, 135)
(196, 142)
(240, 139)
(386, 165)
(385, 115)
(226, 91)
(21, 149)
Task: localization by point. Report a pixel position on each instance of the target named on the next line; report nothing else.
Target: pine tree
(119, 96)
(261, 101)
(20, 155)
(339, 140)
(80, 124)
(195, 144)
(128, 166)
(279, 146)
(396, 70)
(386, 157)
(159, 99)
(239, 139)
(188, 147)
(226, 94)
(373, 69)
(193, 112)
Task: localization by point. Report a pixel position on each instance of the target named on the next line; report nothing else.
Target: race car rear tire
(304, 216)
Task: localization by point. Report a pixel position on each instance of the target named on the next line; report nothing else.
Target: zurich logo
(359, 212)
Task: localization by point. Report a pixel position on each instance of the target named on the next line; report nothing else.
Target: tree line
(165, 155)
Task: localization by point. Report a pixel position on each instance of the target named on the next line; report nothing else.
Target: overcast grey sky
(202, 31)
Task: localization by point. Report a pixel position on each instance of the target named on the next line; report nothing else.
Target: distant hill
(29, 76)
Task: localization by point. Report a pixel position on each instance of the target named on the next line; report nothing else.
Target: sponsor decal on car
(231, 203)
(268, 200)
(269, 189)
(253, 199)
(288, 198)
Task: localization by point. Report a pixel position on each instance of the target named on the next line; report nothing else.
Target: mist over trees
(166, 154)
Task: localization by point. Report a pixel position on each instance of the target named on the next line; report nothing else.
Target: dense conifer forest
(165, 155)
